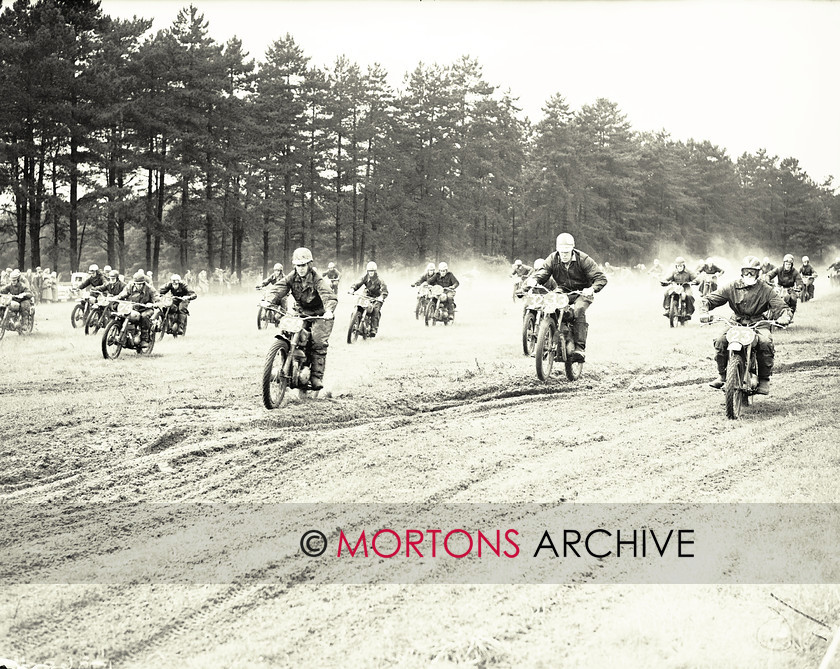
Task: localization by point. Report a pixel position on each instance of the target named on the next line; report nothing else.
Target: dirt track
(419, 415)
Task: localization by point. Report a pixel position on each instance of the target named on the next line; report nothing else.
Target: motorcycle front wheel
(111, 346)
(673, 313)
(3, 324)
(529, 333)
(545, 348)
(262, 319)
(735, 396)
(353, 330)
(92, 322)
(430, 312)
(77, 316)
(274, 381)
(418, 309)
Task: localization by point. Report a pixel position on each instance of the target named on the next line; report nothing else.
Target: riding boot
(580, 328)
(316, 371)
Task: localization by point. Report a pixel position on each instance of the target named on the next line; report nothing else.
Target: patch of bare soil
(421, 415)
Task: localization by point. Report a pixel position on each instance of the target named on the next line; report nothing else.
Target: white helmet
(539, 263)
(517, 262)
(331, 265)
(709, 260)
(430, 267)
(565, 242)
(93, 268)
(15, 274)
(443, 267)
(371, 266)
(788, 258)
(301, 256)
(106, 269)
(174, 278)
(806, 259)
(278, 267)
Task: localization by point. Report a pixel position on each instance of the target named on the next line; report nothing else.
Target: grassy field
(421, 415)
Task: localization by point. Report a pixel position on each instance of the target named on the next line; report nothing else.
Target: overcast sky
(744, 75)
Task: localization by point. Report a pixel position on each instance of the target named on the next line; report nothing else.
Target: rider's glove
(588, 292)
(149, 305)
(531, 282)
(784, 319)
(328, 315)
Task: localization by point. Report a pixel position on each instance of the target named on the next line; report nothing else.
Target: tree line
(168, 148)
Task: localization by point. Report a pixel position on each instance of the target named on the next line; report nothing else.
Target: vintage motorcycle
(532, 316)
(554, 336)
(436, 307)
(268, 313)
(123, 331)
(807, 287)
(289, 359)
(424, 292)
(742, 367)
(361, 322)
(11, 317)
(707, 283)
(84, 304)
(99, 314)
(677, 303)
(167, 322)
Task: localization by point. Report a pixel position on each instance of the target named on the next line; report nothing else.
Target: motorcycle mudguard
(735, 346)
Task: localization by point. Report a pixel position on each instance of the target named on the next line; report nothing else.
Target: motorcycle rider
(751, 300)
(140, 292)
(333, 275)
(788, 277)
(573, 270)
(656, 270)
(375, 289)
(807, 269)
(113, 286)
(314, 297)
(179, 288)
(19, 288)
(430, 272)
(446, 279)
(766, 268)
(539, 263)
(273, 278)
(685, 277)
(95, 280)
(520, 270)
(710, 268)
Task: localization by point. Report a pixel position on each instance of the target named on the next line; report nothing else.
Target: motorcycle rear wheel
(735, 396)
(274, 381)
(111, 347)
(545, 348)
(150, 345)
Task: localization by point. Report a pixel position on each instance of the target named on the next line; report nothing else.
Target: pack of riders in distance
(761, 293)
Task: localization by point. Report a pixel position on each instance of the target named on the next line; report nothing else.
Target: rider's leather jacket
(582, 272)
(749, 303)
(312, 292)
(374, 286)
(785, 278)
